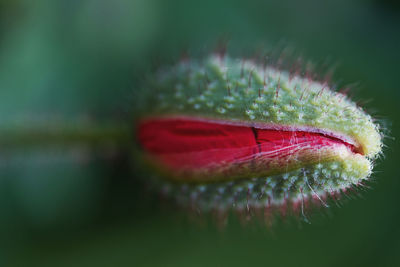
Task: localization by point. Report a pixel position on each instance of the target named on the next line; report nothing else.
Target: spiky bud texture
(241, 92)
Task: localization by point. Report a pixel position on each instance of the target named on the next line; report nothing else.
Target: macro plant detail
(221, 133)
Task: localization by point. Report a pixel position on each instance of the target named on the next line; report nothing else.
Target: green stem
(64, 133)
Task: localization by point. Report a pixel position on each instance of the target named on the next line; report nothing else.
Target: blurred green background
(79, 205)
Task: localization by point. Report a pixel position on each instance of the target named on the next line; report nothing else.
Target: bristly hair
(274, 90)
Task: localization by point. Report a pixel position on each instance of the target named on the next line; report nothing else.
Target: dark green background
(70, 59)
